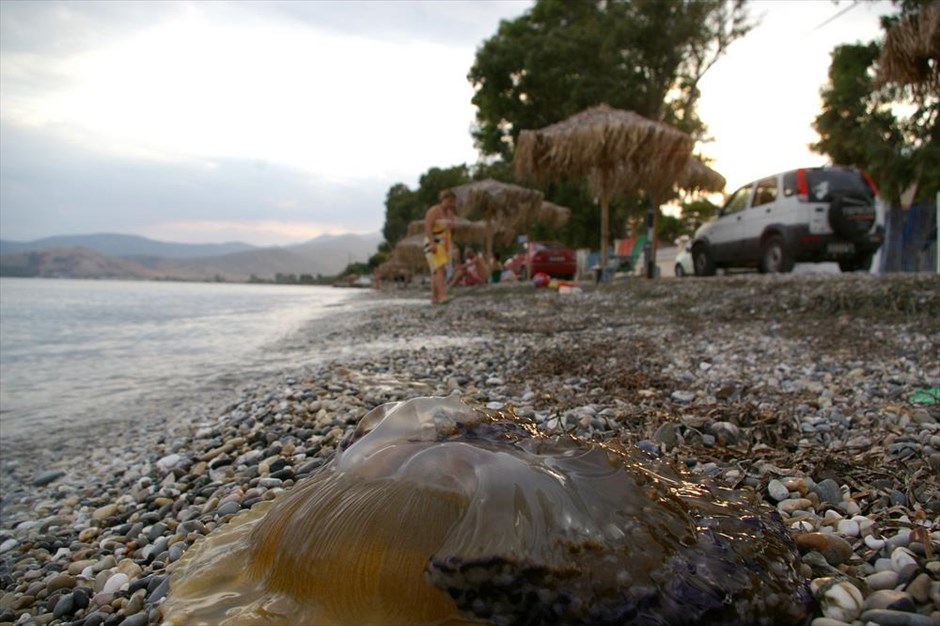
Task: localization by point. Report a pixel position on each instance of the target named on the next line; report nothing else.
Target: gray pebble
(890, 599)
(777, 490)
(828, 491)
(887, 617)
(47, 477)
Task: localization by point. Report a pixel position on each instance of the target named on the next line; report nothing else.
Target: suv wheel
(703, 262)
(774, 257)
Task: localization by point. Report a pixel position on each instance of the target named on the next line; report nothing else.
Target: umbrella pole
(488, 241)
(651, 215)
(605, 228)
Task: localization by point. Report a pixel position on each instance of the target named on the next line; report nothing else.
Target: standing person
(438, 224)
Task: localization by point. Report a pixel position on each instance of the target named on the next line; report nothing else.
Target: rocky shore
(812, 390)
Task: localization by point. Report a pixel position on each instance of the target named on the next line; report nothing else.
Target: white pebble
(9, 544)
(848, 528)
(883, 564)
(169, 461)
(901, 558)
(850, 507)
(874, 543)
(882, 580)
(864, 524)
(841, 600)
(115, 583)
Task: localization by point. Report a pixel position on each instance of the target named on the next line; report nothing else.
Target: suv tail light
(871, 183)
(802, 186)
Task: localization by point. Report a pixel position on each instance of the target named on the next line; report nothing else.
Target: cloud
(212, 117)
(52, 180)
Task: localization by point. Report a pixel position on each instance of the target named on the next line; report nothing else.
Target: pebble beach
(814, 391)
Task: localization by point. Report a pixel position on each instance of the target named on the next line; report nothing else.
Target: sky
(276, 122)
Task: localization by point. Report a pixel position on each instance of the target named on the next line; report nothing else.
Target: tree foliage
(695, 213)
(404, 205)
(564, 56)
(890, 131)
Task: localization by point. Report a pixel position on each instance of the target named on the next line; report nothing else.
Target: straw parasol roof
(910, 46)
(497, 203)
(410, 252)
(464, 230)
(616, 151)
(553, 215)
(696, 176)
(393, 268)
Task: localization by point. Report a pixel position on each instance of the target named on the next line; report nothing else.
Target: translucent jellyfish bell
(436, 513)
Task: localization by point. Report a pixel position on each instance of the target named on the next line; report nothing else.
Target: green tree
(696, 212)
(564, 56)
(401, 207)
(404, 205)
(859, 124)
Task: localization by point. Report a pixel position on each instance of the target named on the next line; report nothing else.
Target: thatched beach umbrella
(696, 176)
(395, 269)
(617, 151)
(410, 252)
(464, 231)
(552, 214)
(909, 48)
(497, 203)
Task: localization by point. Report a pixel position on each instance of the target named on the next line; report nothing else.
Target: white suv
(807, 215)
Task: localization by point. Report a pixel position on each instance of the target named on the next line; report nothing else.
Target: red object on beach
(552, 258)
(541, 279)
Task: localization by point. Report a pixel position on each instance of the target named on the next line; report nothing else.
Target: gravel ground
(807, 389)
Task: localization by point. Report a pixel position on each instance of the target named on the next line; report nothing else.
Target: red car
(548, 257)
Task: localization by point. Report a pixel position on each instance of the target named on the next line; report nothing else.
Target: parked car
(806, 215)
(548, 257)
(684, 265)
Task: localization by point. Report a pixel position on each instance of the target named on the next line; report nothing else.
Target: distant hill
(345, 249)
(71, 263)
(110, 244)
(325, 255)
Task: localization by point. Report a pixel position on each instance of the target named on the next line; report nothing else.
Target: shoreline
(754, 380)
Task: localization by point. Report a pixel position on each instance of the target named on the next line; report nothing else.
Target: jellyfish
(434, 512)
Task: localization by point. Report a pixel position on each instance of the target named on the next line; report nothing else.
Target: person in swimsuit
(438, 225)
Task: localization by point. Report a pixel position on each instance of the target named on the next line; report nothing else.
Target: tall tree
(861, 123)
(404, 205)
(564, 56)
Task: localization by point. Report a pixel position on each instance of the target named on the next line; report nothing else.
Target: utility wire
(854, 4)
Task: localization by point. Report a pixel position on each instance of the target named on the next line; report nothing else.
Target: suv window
(766, 191)
(822, 182)
(737, 201)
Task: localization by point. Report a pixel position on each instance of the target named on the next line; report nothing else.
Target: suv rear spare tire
(851, 217)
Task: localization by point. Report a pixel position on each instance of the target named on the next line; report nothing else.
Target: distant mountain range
(133, 257)
(110, 244)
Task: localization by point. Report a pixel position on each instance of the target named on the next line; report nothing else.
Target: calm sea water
(74, 351)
